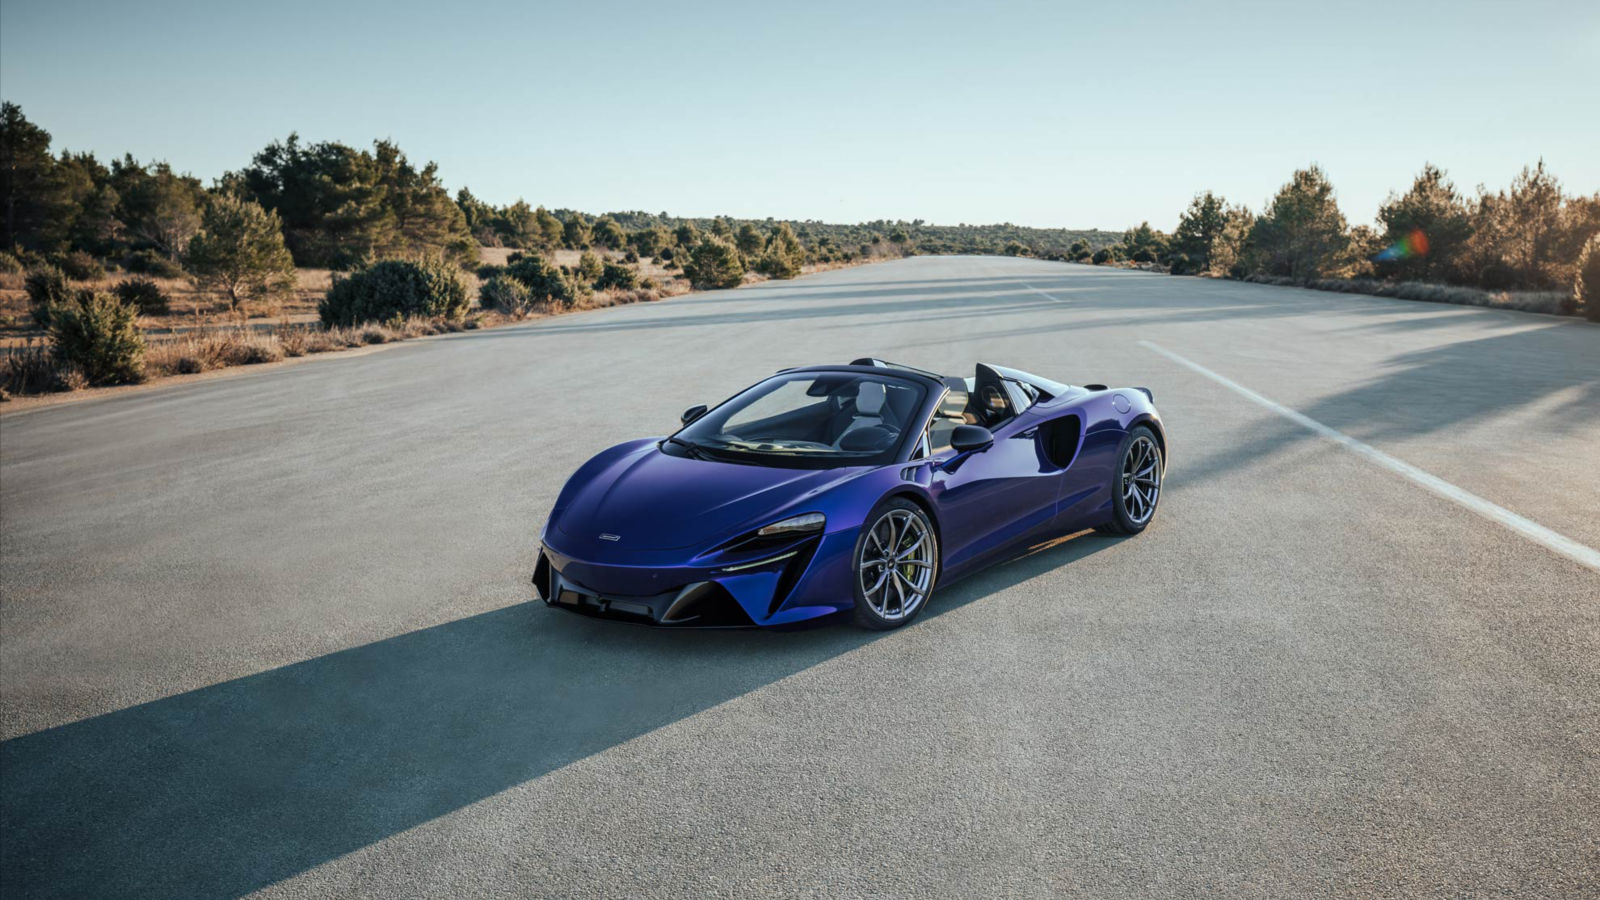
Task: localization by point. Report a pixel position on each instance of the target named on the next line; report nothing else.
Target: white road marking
(1042, 293)
(1528, 528)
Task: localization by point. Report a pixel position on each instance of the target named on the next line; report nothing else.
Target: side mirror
(970, 437)
(693, 412)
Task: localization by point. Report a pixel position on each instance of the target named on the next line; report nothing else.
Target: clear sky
(1051, 114)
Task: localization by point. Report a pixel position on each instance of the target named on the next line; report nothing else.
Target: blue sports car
(858, 487)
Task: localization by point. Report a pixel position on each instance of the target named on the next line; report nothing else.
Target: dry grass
(200, 335)
(1550, 302)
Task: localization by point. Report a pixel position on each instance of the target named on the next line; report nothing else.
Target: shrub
(1144, 255)
(784, 255)
(545, 283)
(396, 289)
(46, 287)
(99, 334)
(589, 267)
(151, 262)
(506, 294)
(1586, 291)
(613, 276)
(239, 253)
(490, 270)
(80, 266)
(1181, 265)
(9, 264)
(714, 264)
(1102, 256)
(144, 295)
(632, 256)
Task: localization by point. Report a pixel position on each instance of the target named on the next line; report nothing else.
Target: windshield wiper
(694, 450)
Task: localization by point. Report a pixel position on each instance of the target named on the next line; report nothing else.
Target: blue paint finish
(678, 519)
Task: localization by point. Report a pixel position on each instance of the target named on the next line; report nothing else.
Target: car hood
(654, 501)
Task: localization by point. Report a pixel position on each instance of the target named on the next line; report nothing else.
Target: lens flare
(1410, 246)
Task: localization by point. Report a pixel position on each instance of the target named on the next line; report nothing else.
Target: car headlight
(801, 524)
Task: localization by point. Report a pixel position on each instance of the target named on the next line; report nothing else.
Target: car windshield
(811, 420)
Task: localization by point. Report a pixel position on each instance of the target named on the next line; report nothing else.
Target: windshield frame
(910, 434)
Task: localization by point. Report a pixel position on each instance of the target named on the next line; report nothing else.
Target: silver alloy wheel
(896, 567)
(1141, 479)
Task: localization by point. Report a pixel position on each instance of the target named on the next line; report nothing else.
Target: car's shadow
(229, 788)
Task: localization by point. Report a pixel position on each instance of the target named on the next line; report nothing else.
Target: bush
(506, 294)
(150, 262)
(714, 264)
(99, 334)
(490, 270)
(632, 256)
(9, 264)
(396, 289)
(1144, 255)
(46, 287)
(545, 283)
(589, 267)
(613, 276)
(784, 255)
(1102, 256)
(80, 266)
(1586, 291)
(1181, 265)
(144, 295)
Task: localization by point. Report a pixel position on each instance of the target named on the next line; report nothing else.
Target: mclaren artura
(858, 488)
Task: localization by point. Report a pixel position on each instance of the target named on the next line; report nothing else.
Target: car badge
(606, 536)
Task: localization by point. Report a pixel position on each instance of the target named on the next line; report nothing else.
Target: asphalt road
(272, 633)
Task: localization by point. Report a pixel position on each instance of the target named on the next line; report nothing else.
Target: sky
(1056, 114)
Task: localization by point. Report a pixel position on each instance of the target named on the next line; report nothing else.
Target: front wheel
(895, 565)
(1136, 485)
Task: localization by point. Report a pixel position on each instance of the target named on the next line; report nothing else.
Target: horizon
(1042, 117)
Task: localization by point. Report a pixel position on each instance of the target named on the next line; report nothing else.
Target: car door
(989, 498)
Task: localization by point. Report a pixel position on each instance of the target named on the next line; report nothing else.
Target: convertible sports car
(857, 487)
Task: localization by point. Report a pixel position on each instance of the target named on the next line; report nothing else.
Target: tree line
(1530, 236)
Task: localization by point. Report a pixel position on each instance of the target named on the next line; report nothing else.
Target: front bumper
(793, 583)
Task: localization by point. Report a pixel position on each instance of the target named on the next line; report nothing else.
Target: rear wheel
(895, 565)
(1136, 484)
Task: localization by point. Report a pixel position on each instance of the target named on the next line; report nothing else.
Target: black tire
(881, 614)
(1142, 441)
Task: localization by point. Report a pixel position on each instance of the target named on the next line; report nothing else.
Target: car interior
(986, 399)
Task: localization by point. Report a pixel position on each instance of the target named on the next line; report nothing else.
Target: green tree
(686, 235)
(589, 267)
(575, 231)
(30, 195)
(650, 241)
(342, 207)
(157, 206)
(607, 233)
(714, 264)
(1302, 234)
(1586, 288)
(1229, 253)
(1143, 244)
(784, 255)
(1199, 229)
(240, 253)
(546, 283)
(1425, 230)
(749, 240)
(549, 227)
